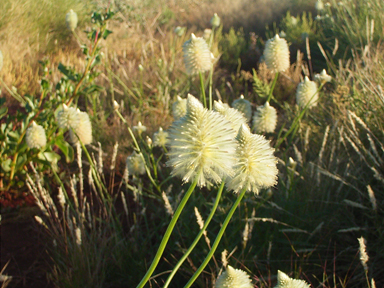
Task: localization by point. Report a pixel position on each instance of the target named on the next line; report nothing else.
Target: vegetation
(105, 204)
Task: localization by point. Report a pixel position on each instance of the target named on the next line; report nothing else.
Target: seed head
(256, 165)
(202, 147)
(135, 164)
(233, 278)
(265, 119)
(197, 57)
(307, 93)
(283, 281)
(363, 253)
(71, 20)
(276, 54)
(83, 129)
(244, 106)
(179, 108)
(35, 136)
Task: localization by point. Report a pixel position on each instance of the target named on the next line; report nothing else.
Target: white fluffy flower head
(231, 114)
(244, 106)
(68, 117)
(265, 119)
(307, 93)
(179, 108)
(83, 130)
(283, 281)
(202, 147)
(233, 278)
(256, 165)
(276, 54)
(71, 20)
(35, 136)
(135, 164)
(197, 56)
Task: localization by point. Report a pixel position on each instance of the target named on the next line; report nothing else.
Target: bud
(179, 108)
(243, 106)
(179, 31)
(149, 141)
(71, 20)
(215, 21)
(141, 68)
(319, 5)
(116, 105)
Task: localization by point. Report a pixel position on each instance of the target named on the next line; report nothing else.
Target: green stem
(217, 240)
(185, 256)
(202, 89)
(166, 236)
(273, 86)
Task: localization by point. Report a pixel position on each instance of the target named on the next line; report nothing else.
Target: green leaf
(3, 111)
(6, 165)
(66, 149)
(106, 33)
(52, 157)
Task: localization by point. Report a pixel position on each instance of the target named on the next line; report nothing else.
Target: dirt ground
(23, 248)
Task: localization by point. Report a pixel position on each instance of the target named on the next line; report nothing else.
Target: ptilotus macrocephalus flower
(71, 20)
(283, 281)
(265, 119)
(35, 136)
(276, 54)
(256, 165)
(202, 146)
(179, 108)
(135, 164)
(319, 5)
(197, 56)
(244, 106)
(323, 77)
(233, 278)
(83, 130)
(160, 138)
(306, 92)
(68, 117)
(231, 114)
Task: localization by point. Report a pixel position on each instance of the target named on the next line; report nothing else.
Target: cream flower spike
(68, 117)
(256, 165)
(197, 56)
(83, 129)
(276, 54)
(35, 136)
(244, 106)
(201, 145)
(265, 119)
(283, 281)
(233, 278)
(232, 115)
(179, 108)
(307, 93)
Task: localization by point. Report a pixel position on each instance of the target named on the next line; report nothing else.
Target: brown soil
(24, 249)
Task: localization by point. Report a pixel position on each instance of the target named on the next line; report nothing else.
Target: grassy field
(103, 204)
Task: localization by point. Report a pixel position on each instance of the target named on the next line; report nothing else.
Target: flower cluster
(135, 164)
(71, 20)
(160, 138)
(203, 148)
